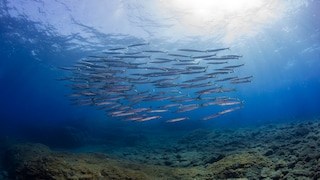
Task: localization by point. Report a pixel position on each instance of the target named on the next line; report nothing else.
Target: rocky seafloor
(274, 151)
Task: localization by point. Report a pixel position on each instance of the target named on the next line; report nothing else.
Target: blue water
(37, 37)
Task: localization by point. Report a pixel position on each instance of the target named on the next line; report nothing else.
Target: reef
(37, 161)
(275, 151)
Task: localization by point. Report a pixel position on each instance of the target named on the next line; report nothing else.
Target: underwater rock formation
(239, 165)
(272, 152)
(36, 161)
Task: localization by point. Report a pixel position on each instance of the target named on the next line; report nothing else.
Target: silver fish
(235, 66)
(211, 116)
(190, 50)
(119, 48)
(177, 119)
(154, 51)
(187, 108)
(216, 50)
(229, 110)
(178, 55)
(149, 118)
(204, 56)
(226, 79)
(139, 44)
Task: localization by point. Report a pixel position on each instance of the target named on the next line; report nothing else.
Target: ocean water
(278, 41)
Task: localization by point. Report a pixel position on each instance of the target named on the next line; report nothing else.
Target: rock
(215, 158)
(178, 156)
(301, 131)
(290, 177)
(270, 173)
(36, 161)
(4, 175)
(300, 172)
(280, 165)
(237, 165)
(276, 174)
(313, 137)
(268, 152)
(265, 172)
(316, 175)
(291, 165)
(168, 163)
(275, 152)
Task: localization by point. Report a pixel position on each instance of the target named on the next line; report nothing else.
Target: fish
(232, 56)
(204, 56)
(161, 61)
(103, 103)
(230, 110)
(137, 110)
(224, 69)
(227, 79)
(97, 57)
(187, 108)
(209, 103)
(165, 59)
(196, 85)
(200, 78)
(116, 49)
(170, 105)
(163, 79)
(178, 55)
(221, 113)
(193, 72)
(211, 116)
(196, 67)
(132, 53)
(219, 58)
(123, 114)
(68, 68)
(246, 79)
(125, 81)
(177, 119)
(191, 50)
(222, 62)
(216, 50)
(133, 118)
(148, 118)
(240, 81)
(132, 56)
(228, 103)
(139, 44)
(222, 90)
(158, 110)
(218, 73)
(154, 51)
(111, 52)
(182, 99)
(235, 66)
(186, 64)
(185, 60)
(209, 90)
(137, 63)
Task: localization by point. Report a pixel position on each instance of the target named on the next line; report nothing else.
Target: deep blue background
(286, 84)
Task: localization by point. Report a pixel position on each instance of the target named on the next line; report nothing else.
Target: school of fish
(137, 83)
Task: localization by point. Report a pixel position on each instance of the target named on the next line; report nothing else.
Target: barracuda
(133, 82)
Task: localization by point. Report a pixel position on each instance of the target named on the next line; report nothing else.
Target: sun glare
(232, 18)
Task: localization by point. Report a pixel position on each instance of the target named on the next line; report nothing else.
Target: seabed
(274, 151)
